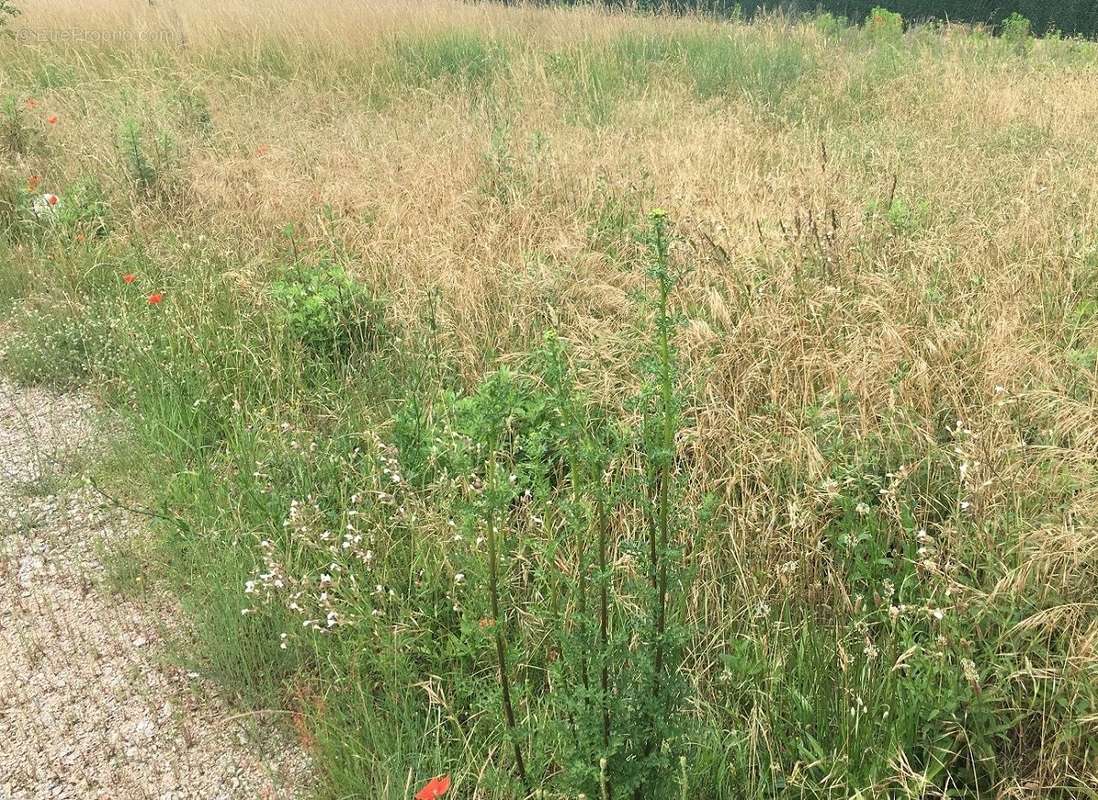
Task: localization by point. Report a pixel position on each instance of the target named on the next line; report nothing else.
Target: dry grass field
(731, 385)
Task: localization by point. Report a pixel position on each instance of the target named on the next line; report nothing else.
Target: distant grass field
(586, 404)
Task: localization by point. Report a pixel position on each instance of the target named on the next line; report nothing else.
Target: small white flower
(968, 666)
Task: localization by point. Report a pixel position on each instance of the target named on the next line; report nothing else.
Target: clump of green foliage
(547, 482)
(1017, 31)
(85, 210)
(329, 312)
(831, 25)
(148, 164)
(884, 25)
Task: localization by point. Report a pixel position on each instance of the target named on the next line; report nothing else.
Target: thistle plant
(665, 629)
(663, 453)
(618, 681)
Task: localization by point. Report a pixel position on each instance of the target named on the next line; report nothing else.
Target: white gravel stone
(88, 707)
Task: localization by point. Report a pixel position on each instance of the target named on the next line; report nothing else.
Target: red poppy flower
(129, 277)
(32, 183)
(435, 788)
(52, 199)
(52, 119)
(32, 103)
(154, 299)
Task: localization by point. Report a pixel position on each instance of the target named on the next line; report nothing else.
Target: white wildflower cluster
(971, 673)
(320, 596)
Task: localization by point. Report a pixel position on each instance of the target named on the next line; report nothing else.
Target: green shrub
(908, 217)
(1017, 31)
(830, 25)
(329, 312)
(884, 25)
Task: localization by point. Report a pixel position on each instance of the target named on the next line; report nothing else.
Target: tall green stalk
(667, 435)
(604, 622)
(660, 445)
(501, 650)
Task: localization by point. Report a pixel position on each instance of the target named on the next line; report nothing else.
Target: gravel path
(88, 706)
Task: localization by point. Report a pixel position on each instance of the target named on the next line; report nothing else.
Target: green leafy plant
(830, 25)
(1017, 31)
(143, 174)
(329, 312)
(620, 691)
(884, 25)
(85, 210)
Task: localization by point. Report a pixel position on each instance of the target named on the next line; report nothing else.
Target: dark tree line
(1072, 17)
